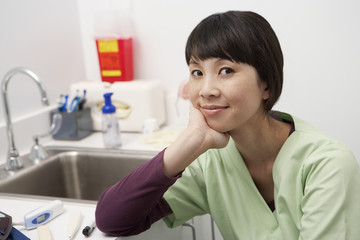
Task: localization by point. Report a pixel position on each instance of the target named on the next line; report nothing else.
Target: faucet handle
(38, 153)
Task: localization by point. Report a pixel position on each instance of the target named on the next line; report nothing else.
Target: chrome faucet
(13, 161)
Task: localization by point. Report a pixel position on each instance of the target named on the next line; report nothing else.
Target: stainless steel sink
(72, 173)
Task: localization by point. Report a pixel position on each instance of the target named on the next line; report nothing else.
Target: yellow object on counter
(160, 139)
(44, 232)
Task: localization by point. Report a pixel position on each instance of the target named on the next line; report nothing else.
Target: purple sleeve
(130, 206)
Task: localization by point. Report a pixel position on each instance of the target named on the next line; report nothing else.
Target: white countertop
(18, 207)
(130, 141)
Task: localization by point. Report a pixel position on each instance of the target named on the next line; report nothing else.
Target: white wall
(319, 40)
(44, 36)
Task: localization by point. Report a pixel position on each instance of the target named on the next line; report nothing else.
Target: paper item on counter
(74, 224)
(44, 233)
(160, 139)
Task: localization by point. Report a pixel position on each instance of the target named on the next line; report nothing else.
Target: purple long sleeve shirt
(130, 206)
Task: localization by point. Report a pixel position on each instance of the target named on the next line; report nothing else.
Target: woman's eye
(196, 73)
(226, 71)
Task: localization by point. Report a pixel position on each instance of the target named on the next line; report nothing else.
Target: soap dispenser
(110, 124)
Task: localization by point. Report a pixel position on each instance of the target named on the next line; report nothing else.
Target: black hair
(244, 37)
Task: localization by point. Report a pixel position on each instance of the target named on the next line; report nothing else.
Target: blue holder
(75, 125)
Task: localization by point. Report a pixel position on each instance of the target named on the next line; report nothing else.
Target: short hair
(240, 36)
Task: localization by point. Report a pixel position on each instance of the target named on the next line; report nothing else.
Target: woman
(260, 174)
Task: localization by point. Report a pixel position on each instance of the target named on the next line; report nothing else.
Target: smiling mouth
(213, 109)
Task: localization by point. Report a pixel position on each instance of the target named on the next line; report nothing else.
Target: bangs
(212, 38)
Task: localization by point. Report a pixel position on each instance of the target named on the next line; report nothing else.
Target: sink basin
(72, 173)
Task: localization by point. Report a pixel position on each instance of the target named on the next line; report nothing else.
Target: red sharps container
(115, 59)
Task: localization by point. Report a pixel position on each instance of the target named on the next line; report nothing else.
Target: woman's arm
(133, 204)
(331, 198)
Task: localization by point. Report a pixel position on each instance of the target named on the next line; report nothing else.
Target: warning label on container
(108, 45)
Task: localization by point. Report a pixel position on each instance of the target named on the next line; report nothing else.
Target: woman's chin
(219, 127)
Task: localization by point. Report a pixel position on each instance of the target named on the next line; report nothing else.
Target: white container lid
(113, 24)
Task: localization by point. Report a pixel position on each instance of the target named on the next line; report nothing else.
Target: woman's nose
(209, 88)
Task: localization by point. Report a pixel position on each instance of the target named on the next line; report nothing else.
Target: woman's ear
(266, 90)
(183, 91)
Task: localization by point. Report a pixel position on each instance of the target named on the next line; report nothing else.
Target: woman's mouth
(213, 109)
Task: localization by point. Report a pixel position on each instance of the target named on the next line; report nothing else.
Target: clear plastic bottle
(110, 124)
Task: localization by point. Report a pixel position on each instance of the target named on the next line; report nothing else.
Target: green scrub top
(316, 191)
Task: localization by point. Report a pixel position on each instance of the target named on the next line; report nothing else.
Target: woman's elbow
(110, 223)
(103, 221)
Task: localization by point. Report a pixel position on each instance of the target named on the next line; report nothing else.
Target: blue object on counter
(63, 103)
(108, 107)
(17, 235)
(74, 125)
(74, 104)
(110, 124)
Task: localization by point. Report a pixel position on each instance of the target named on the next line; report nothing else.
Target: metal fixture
(38, 153)
(193, 230)
(13, 161)
(72, 172)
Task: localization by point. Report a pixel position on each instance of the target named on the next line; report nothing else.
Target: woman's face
(228, 94)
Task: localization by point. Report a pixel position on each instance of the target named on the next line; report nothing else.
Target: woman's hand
(197, 138)
(207, 137)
